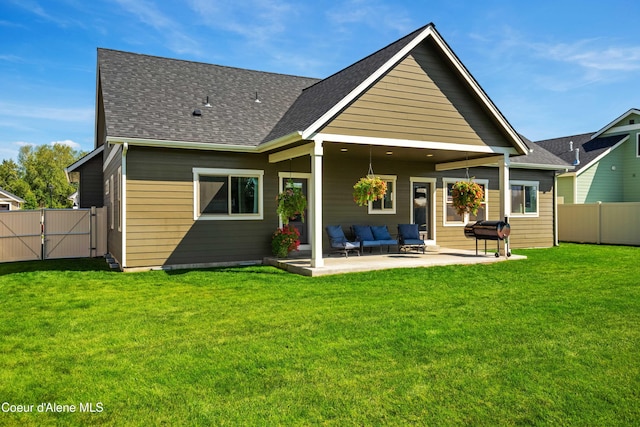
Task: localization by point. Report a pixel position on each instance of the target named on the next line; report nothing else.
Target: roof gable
(421, 98)
(623, 120)
(319, 104)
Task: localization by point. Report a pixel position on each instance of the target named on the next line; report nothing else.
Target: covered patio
(302, 264)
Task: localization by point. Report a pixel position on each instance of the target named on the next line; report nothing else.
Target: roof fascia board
(182, 144)
(13, 197)
(461, 164)
(280, 142)
(366, 83)
(620, 129)
(604, 129)
(407, 143)
(84, 160)
(480, 92)
(292, 153)
(540, 166)
(602, 155)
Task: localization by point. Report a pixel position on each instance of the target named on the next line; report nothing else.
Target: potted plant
(467, 197)
(369, 189)
(285, 240)
(291, 203)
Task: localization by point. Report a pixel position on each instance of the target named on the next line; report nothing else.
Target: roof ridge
(562, 137)
(204, 63)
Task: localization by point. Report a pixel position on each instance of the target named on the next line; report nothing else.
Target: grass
(552, 340)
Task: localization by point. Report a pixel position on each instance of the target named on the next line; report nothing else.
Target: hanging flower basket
(291, 203)
(467, 197)
(369, 189)
(285, 240)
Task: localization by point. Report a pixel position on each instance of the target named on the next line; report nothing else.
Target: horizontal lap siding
(342, 171)
(420, 99)
(160, 225)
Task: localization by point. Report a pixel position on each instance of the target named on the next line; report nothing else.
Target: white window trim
(111, 201)
(526, 184)
(432, 185)
(638, 145)
(392, 211)
(119, 198)
(465, 219)
(5, 204)
(248, 173)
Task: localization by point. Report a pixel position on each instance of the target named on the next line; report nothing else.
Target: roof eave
(608, 126)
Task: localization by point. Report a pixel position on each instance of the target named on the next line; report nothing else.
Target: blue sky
(554, 68)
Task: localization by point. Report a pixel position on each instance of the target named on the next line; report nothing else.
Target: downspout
(123, 203)
(555, 210)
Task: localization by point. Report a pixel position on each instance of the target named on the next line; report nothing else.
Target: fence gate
(20, 236)
(52, 234)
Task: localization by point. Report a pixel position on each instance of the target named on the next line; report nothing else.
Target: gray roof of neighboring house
(154, 98)
(590, 149)
(6, 194)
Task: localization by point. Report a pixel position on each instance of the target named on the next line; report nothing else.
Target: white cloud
(148, 13)
(371, 13)
(33, 111)
(68, 142)
(589, 55)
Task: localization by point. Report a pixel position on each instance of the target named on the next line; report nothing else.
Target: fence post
(599, 203)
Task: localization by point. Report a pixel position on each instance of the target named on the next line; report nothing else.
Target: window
(638, 145)
(524, 198)
(451, 217)
(118, 191)
(227, 194)
(386, 205)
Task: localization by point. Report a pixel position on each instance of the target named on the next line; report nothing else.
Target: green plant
(291, 202)
(285, 240)
(467, 197)
(369, 189)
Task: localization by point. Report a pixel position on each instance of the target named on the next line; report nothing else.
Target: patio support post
(316, 204)
(505, 193)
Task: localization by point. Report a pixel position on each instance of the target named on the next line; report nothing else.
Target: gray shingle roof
(154, 98)
(538, 156)
(589, 148)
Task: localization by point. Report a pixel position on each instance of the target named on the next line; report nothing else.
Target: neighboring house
(607, 162)
(9, 202)
(190, 157)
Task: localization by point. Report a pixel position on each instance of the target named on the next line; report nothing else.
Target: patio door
(422, 204)
(299, 180)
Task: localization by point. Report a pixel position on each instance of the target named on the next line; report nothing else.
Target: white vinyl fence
(607, 223)
(52, 234)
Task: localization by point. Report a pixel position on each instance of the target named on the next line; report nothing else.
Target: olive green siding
(565, 189)
(630, 170)
(599, 182)
(342, 170)
(424, 99)
(90, 185)
(160, 225)
(114, 235)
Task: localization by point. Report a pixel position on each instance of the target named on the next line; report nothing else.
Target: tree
(43, 170)
(39, 176)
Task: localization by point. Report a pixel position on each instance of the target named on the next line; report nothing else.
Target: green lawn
(552, 340)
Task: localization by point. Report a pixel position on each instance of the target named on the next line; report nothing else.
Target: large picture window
(386, 205)
(524, 198)
(225, 194)
(451, 217)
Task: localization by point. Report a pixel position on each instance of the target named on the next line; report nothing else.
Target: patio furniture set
(374, 236)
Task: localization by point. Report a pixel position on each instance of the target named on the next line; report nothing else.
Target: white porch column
(505, 193)
(316, 207)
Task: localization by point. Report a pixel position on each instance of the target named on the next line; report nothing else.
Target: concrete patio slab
(352, 264)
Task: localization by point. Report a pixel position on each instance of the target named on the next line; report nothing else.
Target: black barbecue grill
(488, 230)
